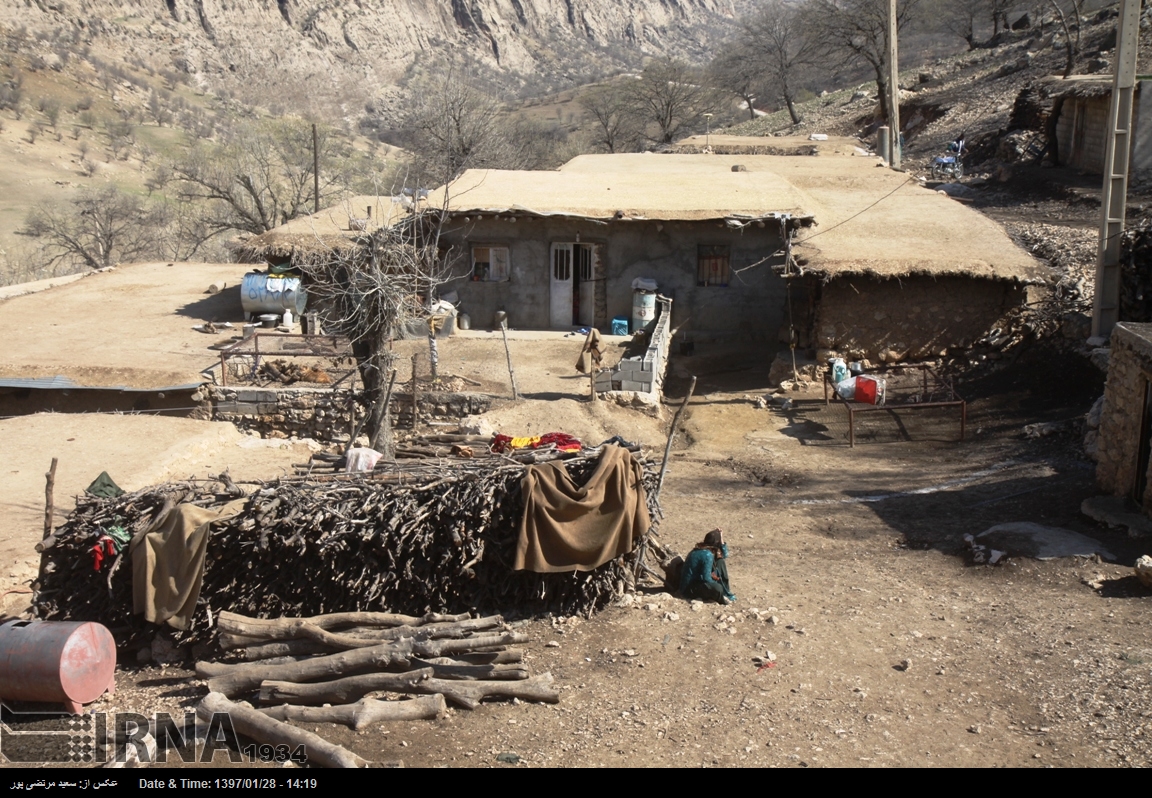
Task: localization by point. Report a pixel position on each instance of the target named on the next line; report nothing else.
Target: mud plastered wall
(1129, 371)
(911, 318)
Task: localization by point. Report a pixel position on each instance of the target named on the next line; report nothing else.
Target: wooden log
(276, 628)
(342, 641)
(469, 694)
(357, 661)
(47, 543)
(286, 648)
(208, 670)
(341, 691)
(445, 668)
(263, 729)
(364, 712)
(415, 393)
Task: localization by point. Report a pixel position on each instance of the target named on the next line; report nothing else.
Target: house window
(712, 265)
(489, 264)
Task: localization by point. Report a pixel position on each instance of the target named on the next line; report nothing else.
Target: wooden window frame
(713, 259)
(481, 271)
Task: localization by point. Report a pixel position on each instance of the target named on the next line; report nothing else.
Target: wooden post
(49, 487)
(592, 381)
(508, 354)
(316, 167)
(415, 397)
(671, 437)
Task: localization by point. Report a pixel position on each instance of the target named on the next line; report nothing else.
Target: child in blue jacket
(705, 572)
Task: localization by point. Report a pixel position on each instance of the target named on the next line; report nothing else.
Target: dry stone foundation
(322, 413)
(1118, 438)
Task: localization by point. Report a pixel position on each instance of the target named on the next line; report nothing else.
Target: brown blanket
(168, 562)
(571, 528)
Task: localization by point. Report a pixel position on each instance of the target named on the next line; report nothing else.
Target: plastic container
(70, 663)
(620, 325)
(839, 370)
(501, 318)
(869, 390)
(268, 321)
(464, 321)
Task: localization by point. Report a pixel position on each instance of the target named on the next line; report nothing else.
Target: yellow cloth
(524, 443)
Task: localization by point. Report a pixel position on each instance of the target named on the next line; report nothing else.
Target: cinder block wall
(1129, 367)
(913, 318)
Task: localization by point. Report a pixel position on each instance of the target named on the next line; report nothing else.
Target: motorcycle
(950, 166)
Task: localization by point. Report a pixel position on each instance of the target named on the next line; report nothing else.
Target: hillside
(331, 55)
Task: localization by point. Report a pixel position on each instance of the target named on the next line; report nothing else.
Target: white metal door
(561, 293)
(586, 264)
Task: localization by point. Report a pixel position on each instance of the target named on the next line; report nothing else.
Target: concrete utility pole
(1113, 199)
(893, 90)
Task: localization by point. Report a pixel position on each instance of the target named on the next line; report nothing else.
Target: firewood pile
(423, 535)
(352, 668)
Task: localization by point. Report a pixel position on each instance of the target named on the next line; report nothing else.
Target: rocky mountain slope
(322, 53)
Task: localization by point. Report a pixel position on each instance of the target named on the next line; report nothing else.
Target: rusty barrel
(73, 663)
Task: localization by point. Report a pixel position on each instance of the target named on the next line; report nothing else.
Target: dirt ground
(849, 567)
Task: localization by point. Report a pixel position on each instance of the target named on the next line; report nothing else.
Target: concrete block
(238, 408)
(253, 395)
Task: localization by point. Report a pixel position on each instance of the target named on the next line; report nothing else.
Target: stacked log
(379, 667)
(409, 540)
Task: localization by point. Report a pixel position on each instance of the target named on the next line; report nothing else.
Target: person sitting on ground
(705, 572)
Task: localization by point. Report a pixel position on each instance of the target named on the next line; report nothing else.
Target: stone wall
(1118, 438)
(321, 413)
(911, 318)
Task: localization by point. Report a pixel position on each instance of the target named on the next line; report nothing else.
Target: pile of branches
(423, 537)
(1136, 275)
(325, 669)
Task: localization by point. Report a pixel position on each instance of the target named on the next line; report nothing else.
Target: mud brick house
(562, 248)
(822, 244)
(1124, 439)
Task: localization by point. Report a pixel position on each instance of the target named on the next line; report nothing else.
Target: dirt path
(889, 649)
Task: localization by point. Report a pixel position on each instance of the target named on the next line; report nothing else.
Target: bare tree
(777, 39)
(960, 17)
(260, 177)
(374, 290)
(453, 126)
(739, 72)
(97, 229)
(855, 31)
(671, 98)
(617, 128)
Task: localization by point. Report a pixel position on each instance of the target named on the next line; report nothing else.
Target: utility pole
(893, 90)
(315, 167)
(1114, 196)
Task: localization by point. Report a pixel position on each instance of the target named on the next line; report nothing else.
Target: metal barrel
(267, 293)
(73, 663)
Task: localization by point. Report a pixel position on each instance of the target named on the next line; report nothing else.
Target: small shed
(1080, 108)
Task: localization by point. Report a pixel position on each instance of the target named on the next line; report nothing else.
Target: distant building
(1080, 109)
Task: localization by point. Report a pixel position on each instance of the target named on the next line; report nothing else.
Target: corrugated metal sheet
(60, 382)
